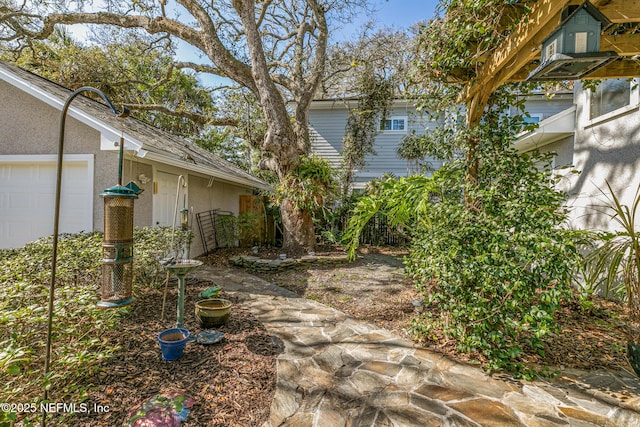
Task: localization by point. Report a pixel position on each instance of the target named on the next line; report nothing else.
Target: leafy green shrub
(152, 244)
(496, 274)
(249, 227)
(490, 254)
(493, 275)
(24, 284)
(78, 349)
(405, 201)
(311, 184)
(332, 220)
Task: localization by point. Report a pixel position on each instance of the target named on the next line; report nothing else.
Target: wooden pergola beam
(620, 11)
(622, 44)
(518, 48)
(510, 60)
(622, 68)
(625, 45)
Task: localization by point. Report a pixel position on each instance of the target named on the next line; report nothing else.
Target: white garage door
(27, 197)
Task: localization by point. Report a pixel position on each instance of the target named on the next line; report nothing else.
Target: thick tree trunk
(284, 142)
(298, 227)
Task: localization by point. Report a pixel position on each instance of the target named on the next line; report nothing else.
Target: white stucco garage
(27, 197)
(30, 109)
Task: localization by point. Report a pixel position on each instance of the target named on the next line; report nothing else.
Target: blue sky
(401, 14)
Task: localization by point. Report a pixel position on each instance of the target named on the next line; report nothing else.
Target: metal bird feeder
(184, 219)
(56, 219)
(117, 245)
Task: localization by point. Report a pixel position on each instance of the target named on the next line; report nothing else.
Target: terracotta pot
(213, 312)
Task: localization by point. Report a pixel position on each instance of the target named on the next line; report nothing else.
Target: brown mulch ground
(232, 383)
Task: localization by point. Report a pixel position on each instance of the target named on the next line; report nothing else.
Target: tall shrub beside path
(496, 274)
(492, 275)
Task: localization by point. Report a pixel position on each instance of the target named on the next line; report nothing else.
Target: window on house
(610, 95)
(533, 118)
(395, 124)
(551, 49)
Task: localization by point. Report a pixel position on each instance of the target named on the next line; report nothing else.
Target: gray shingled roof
(153, 140)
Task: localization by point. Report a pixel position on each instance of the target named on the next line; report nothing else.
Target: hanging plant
(311, 184)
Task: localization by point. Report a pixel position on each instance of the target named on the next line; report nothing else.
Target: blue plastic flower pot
(172, 343)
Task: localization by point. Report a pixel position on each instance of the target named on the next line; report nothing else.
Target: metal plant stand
(180, 269)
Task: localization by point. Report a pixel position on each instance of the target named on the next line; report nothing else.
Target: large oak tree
(276, 49)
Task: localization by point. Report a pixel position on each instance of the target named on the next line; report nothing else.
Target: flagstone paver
(337, 371)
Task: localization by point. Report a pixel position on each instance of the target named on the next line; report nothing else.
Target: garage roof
(147, 141)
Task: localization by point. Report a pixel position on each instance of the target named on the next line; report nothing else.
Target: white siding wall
(540, 105)
(328, 121)
(327, 128)
(326, 131)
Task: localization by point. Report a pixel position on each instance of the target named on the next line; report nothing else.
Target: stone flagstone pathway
(336, 371)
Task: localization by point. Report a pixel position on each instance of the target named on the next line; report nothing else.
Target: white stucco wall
(31, 127)
(202, 197)
(606, 149)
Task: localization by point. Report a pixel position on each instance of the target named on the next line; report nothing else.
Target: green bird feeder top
(119, 191)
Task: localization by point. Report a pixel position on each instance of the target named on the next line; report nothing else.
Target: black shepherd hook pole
(56, 218)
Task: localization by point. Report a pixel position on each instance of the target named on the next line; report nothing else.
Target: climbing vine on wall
(363, 123)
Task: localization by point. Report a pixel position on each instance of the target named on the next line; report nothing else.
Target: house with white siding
(328, 121)
(327, 124)
(595, 133)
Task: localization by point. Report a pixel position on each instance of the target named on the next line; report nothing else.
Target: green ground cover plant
(78, 349)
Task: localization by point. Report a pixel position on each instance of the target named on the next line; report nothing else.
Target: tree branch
(215, 49)
(206, 39)
(263, 12)
(198, 118)
(201, 68)
(314, 79)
